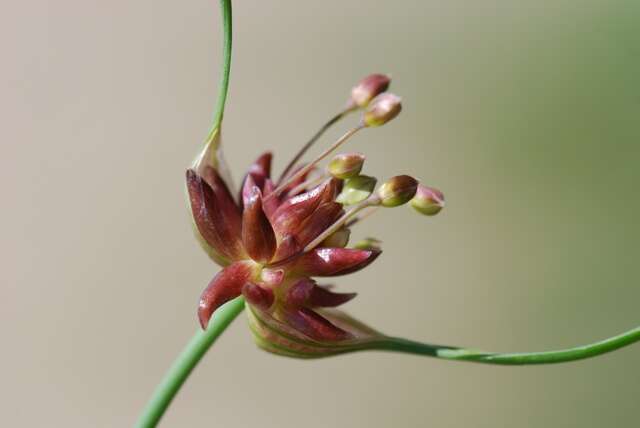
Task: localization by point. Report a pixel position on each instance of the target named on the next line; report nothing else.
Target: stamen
(372, 201)
(313, 139)
(310, 165)
(311, 183)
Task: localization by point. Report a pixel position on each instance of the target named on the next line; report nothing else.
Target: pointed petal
(320, 296)
(269, 205)
(291, 213)
(258, 237)
(225, 286)
(215, 215)
(306, 292)
(299, 293)
(258, 296)
(258, 171)
(287, 248)
(316, 223)
(333, 261)
(315, 326)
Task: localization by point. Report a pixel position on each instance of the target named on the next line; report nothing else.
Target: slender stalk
(396, 344)
(310, 165)
(312, 141)
(227, 28)
(186, 362)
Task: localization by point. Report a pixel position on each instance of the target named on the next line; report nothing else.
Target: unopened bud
(428, 201)
(368, 88)
(382, 109)
(346, 165)
(397, 191)
(356, 189)
(338, 239)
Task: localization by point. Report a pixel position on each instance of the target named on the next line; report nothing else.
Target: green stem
(186, 362)
(396, 344)
(225, 7)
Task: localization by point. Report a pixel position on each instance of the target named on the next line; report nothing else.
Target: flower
(276, 236)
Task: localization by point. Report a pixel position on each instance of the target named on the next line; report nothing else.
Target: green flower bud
(356, 189)
(368, 88)
(428, 201)
(346, 165)
(382, 109)
(397, 191)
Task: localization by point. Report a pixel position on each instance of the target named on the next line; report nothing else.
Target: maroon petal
(258, 237)
(269, 204)
(316, 223)
(300, 292)
(291, 213)
(334, 261)
(225, 286)
(315, 326)
(258, 296)
(215, 214)
(259, 171)
(320, 296)
(306, 292)
(287, 248)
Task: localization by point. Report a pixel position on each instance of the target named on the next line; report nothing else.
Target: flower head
(277, 235)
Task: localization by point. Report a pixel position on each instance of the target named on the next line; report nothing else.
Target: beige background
(524, 112)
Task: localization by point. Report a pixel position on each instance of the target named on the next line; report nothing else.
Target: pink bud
(368, 88)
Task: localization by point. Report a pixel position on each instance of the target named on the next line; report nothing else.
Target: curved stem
(186, 362)
(396, 344)
(225, 7)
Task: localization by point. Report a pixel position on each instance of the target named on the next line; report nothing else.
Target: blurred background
(526, 114)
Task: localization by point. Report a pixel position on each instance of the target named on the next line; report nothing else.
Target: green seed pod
(382, 109)
(397, 191)
(428, 201)
(356, 189)
(346, 165)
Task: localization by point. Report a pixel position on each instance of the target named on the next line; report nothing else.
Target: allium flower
(276, 236)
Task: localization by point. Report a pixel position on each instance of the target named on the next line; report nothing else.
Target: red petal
(225, 286)
(269, 204)
(315, 326)
(316, 223)
(257, 235)
(287, 248)
(320, 296)
(258, 296)
(259, 171)
(291, 213)
(300, 292)
(333, 261)
(305, 292)
(215, 213)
